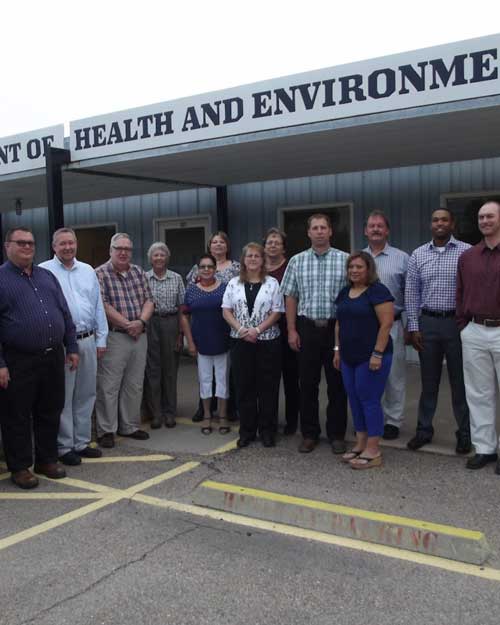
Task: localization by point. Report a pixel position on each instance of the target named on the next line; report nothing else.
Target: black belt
(441, 314)
(319, 323)
(84, 335)
(489, 322)
(122, 330)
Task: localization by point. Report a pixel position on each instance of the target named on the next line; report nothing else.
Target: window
(465, 209)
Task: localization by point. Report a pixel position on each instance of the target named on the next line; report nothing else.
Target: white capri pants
(206, 367)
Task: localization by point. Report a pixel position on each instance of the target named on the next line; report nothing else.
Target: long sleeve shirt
(34, 314)
(80, 286)
(431, 279)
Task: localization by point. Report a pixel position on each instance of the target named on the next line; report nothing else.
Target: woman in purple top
(208, 337)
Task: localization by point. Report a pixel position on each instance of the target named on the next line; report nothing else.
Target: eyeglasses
(128, 250)
(22, 242)
(206, 267)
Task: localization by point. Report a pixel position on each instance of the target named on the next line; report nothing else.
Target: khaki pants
(120, 376)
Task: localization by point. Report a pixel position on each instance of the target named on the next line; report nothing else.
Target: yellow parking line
(150, 458)
(222, 449)
(84, 485)
(288, 530)
(51, 496)
(41, 528)
(154, 481)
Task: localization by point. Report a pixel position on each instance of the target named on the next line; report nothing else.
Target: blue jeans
(364, 389)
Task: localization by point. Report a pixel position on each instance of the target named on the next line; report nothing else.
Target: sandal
(351, 455)
(206, 427)
(224, 427)
(362, 462)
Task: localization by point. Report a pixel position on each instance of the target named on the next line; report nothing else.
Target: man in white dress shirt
(81, 290)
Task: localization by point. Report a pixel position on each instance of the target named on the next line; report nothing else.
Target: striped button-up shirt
(392, 265)
(431, 279)
(126, 291)
(168, 292)
(315, 280)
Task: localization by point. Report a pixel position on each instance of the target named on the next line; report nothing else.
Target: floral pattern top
(268, 301)
(227, 274)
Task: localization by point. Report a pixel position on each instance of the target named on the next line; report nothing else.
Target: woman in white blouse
(252, 306)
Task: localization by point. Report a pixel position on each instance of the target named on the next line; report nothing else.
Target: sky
(68, 60)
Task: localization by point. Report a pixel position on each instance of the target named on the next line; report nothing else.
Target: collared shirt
(168, 291)
(392, 265)
(33, 312)
(478, 284)
(80, 286)
(431, 279)
(315, 280)
(126, 291)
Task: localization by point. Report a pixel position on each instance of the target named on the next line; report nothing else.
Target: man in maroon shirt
(478, 317)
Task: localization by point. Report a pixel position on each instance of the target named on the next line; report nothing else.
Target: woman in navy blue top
(365, 314)
(208, 337)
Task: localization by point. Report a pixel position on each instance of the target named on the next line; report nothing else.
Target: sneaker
(89, 452)
(71, 459)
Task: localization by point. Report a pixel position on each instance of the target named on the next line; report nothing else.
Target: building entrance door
(93, 243)
(186, 239)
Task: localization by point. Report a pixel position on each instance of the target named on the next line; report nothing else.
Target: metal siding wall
(406, 194)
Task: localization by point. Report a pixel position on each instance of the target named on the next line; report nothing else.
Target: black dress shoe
(289, 430)
(464, 445)
(244, 442)
(89, 452)
(418, 441)
(71, 459)
(197, 417)
(155, 423)
(391, 432)
(480, 460)
(268, 440)
(138, 435)
(107, 440)
(497, 468)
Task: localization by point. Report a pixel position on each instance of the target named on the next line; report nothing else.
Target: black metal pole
(55, 158)
(222, 209)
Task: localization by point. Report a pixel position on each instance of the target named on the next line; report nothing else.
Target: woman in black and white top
(252, 306)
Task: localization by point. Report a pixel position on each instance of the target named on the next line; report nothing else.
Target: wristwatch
(143, 322)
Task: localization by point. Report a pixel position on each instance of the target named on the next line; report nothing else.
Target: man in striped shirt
(311, 283)
(430, 306)
(392, 265)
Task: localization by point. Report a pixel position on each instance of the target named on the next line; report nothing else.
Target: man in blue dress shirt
(81, 289)
(35, 326)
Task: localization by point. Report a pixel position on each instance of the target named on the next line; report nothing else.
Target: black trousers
(316, 352)
(290, 373)
(32, 404)
(257, 370)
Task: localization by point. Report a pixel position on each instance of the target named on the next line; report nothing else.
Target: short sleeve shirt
(210, 330)
(359, 324)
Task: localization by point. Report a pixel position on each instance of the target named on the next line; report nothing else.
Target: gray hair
(62, 231)
(158, 246)
(117, 236)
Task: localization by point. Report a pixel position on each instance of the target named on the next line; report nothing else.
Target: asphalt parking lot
(120, 541)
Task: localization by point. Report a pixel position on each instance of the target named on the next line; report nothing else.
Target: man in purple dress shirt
(35, 325)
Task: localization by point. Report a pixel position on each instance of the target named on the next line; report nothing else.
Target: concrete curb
(433, 539)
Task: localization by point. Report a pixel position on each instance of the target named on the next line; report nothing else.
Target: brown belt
(489, 322)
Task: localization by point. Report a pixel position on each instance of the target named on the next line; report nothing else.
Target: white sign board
(456, 71)
(27, 150)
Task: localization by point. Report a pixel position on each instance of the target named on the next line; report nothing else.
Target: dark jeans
(441, 338)
(34, 400)
(316, 352)
(257, 368)
(290, 373)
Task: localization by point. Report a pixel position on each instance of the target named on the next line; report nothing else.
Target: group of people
(72, 339)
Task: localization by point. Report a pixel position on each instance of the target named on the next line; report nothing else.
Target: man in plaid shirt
(129, 305)
(311, 283)
(430, 306)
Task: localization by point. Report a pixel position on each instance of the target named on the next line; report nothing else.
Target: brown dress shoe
(50, 469)
(307, 445)
(24, 479)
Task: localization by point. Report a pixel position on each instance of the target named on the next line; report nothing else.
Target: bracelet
(336, 348)
(377, 354)
(257, 329)
(238, 332)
